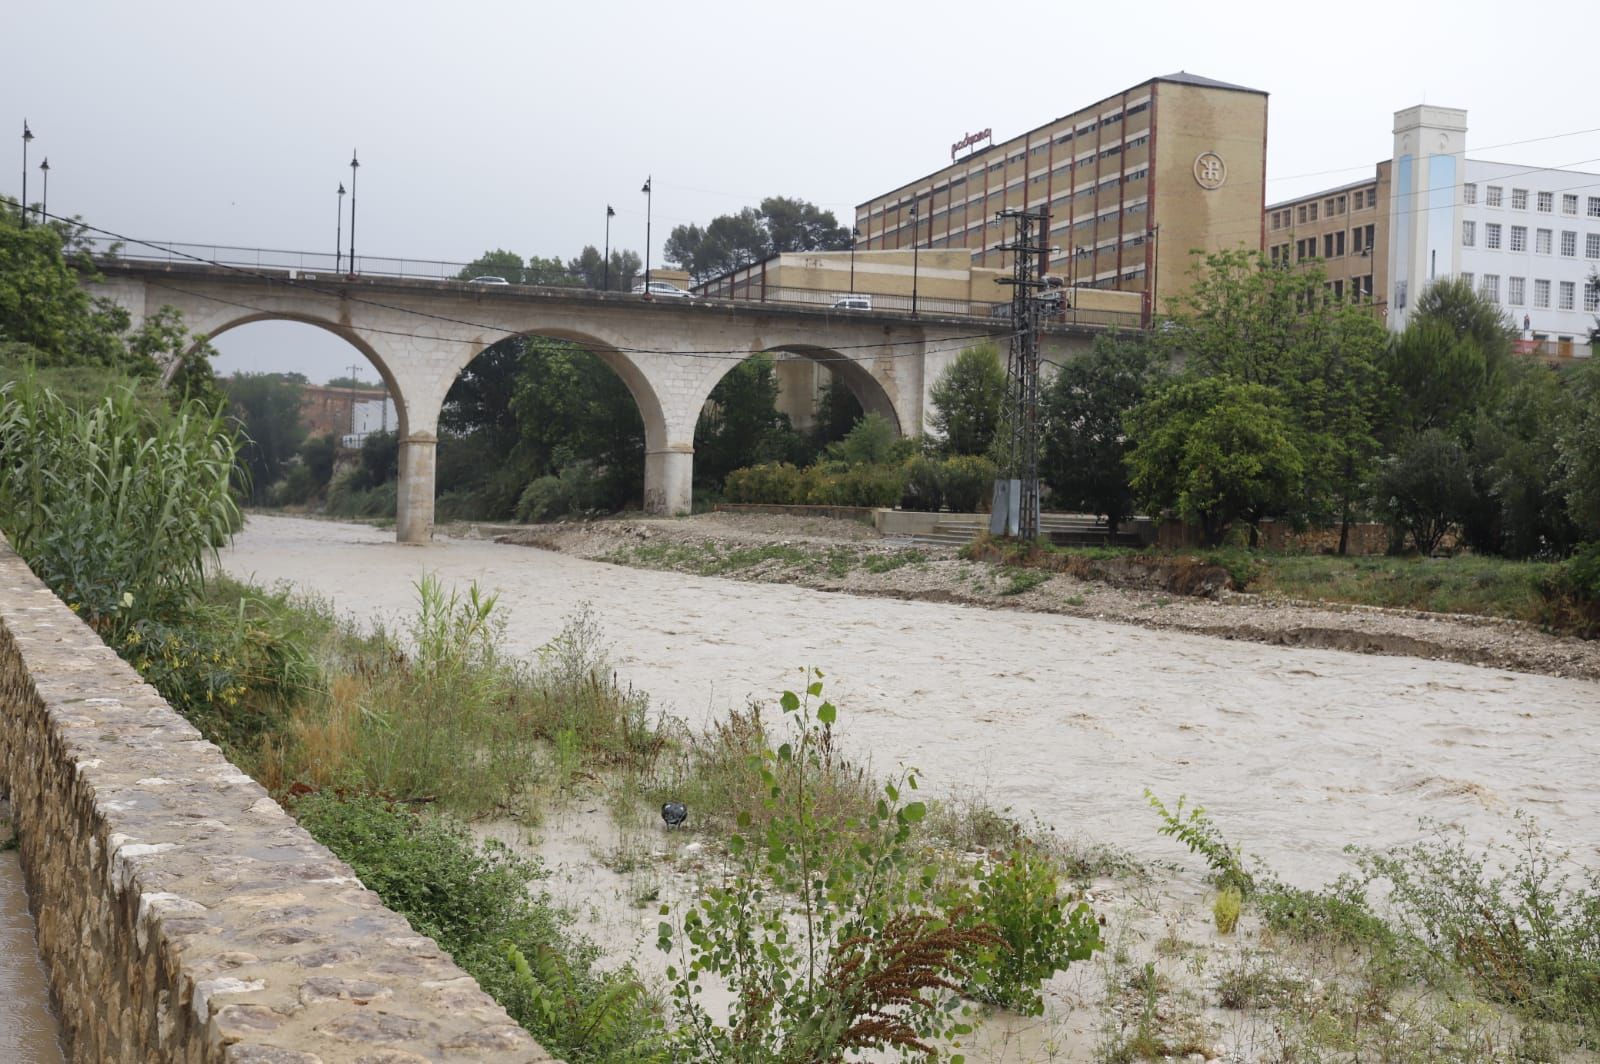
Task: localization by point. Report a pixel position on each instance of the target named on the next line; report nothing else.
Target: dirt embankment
(844, 556)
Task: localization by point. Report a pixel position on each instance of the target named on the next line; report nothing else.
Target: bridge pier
(669, 479)
(414, 492)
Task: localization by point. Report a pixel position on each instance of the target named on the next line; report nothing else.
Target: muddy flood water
(27, 1026)
(1295, 752)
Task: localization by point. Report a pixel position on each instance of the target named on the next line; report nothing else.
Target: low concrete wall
(184, 916)
(842, 513)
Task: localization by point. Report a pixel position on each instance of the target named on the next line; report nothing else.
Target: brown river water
(1295, 752)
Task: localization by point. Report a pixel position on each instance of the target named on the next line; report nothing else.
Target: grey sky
(500, 124)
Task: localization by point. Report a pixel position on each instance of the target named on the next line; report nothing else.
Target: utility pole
(355, 368)
(1015, 511)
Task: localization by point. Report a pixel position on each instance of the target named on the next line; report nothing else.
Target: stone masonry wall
(183, 915)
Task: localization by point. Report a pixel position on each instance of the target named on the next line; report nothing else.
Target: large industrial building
(1133, 183)
(1526, 237)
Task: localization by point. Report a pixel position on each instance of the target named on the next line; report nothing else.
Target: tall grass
(116, 505)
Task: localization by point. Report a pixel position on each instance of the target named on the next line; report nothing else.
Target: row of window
(1362, 241)
(1517, 292)
(1545, 202)
(1543, 239)
(1328, 208)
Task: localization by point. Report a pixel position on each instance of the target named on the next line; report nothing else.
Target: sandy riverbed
(1295, 751)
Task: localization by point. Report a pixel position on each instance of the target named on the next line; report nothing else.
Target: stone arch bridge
(420, 334)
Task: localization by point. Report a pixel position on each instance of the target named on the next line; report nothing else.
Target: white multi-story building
(1526, 237)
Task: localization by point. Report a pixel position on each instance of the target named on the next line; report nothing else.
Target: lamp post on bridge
(648, 201)
(27, 137)
(355, 165)
(44, 207)
(855, 234)
(338, 232)
(610, 214)
(915, 241)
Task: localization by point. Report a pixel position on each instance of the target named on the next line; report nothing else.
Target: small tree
(741, 425)
(1578, 445)
(1085, 446)
(1213, 451)
(1424, 489)
(968, 399)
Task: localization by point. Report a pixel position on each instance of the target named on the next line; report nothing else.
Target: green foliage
(872, 441)
(317, 456)
(43, 306)
(625, 269)
(968, 398)
(1200, 833)
(819, 485)
(1424, 490)
(1083, 457)
(1225, 909)
(740, 424)
(827, 934)
(1518, 507)
(118, 506)
(924, 485)
(477, 901)
(1578, 446)
(1213, 451)
(1019, 897)
(731, 241)
(968, 482)
(578, 489)
(1439, 378)
(1572, 592)
(266, 407)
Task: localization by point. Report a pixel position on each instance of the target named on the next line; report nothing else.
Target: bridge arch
(855, 373)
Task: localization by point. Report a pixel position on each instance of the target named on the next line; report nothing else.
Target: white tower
(1425, 203)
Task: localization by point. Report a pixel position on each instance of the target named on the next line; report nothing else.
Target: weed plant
(480, 902)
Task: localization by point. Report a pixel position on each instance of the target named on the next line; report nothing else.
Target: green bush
(348, 497)
(924, 485)
(1020, 899)
(776, 483)
(1572, 592)
(968, 483)
(579, 489)
(873, 441)
(477, 901)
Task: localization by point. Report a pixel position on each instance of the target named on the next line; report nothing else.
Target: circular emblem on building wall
(1209, 170)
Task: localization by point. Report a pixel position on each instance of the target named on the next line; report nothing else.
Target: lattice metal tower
(1016, 494)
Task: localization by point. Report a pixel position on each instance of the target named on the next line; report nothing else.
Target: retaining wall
(183, 915)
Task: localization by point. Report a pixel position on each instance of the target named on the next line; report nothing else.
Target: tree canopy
(968, 401)
(731, 241)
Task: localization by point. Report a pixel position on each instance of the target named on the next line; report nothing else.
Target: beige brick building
(1132, 183)
(1346, 229)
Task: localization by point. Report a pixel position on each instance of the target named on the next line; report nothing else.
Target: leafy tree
(1083, 458)
(873, 441)
(1519, 504)
(318, 454)
(569, 405)
(838, 410)
(1247, 320)
(1469, 315)
(1213, 451)
(731, 241)
(496, 263)
(795, 225)
(267, 409)
(44, 307)
(1439, 378)
(1578, 445)
(741, 425)
(968, 400)
(591, 266)
(1423, 490)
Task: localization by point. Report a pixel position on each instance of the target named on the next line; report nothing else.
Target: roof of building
(1183, 77)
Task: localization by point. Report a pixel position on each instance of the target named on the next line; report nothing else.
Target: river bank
(844, 556)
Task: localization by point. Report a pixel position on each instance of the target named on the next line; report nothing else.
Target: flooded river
(27, 1026)
(1295, 752)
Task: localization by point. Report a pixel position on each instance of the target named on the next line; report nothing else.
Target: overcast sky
(502, 124)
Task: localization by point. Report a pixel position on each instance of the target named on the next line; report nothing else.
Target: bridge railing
(754, 291)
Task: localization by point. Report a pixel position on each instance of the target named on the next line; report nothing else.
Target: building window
(1515, 291)
(1491, 287)
(1591, 246)
(1569, 204)
(1591, 297)
(1466, 279)
(1519, 199)
(1313, 212)
(1541, 294)
(1547, 202)
(1469, 194)
(1519, 238)
(1303, 213)
(1341, 204)
(1469, 234)
(1327, 245)
(1492, 199)
(1491, 236)
(1567, 290)
(1541, 241)
(1569, 243)
(1594, 206)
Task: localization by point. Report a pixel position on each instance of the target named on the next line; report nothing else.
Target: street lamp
(648, 199)
(338, 232)
(915, 240)
(44, 208)
(354, 166)
(610, 214)
(855, 234)
(27, 136)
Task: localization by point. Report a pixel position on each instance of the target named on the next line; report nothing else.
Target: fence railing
(849, 302)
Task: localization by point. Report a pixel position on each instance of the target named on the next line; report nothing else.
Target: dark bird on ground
(674, 813)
